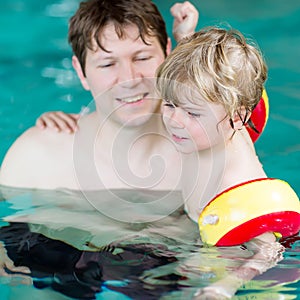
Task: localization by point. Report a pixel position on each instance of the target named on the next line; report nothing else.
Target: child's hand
(185, 19)
(58, 121)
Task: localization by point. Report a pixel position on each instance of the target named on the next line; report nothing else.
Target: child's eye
(167, 104)
(195, 115)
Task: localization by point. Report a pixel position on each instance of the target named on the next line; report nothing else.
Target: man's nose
(129, 75)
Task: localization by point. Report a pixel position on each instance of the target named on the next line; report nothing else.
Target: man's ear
(241, 117)
(78, 69)
(169, 46)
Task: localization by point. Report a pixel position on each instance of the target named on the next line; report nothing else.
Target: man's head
(118, 45)
(92, 17)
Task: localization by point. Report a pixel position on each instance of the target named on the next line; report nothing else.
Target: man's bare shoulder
(35, 153)
(35, 140)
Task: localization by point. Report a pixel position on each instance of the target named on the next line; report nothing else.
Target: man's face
(122, 80)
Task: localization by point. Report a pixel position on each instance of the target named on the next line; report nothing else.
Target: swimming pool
(36, 76)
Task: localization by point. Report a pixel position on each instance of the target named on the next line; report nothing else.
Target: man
(117, 47)
(122, 146)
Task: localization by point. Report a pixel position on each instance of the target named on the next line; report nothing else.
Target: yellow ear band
(248, 210)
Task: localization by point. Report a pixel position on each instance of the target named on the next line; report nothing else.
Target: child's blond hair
(217, 64)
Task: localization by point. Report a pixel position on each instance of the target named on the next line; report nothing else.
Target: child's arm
(58, 121)
(266, 254)
(185, 19)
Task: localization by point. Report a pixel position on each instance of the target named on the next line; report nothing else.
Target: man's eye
(142, 58)
(105, 65)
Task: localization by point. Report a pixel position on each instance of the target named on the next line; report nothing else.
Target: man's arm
(38, 159)
(17, 160)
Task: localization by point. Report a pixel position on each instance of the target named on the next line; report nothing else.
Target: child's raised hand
(185, 19)
(58, 121)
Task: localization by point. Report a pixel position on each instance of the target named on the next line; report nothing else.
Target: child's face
(196, 127)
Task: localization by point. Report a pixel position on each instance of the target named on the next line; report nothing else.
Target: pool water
(37, 76)
(64, 241)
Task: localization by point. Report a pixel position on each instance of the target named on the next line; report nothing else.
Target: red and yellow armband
(259, 117)
(248, 210)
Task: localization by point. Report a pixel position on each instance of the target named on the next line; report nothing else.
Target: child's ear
(241, 117)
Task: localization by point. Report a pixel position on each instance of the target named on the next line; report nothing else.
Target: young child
(210, 84)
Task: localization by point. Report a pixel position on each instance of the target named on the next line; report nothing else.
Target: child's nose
(177, 118)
